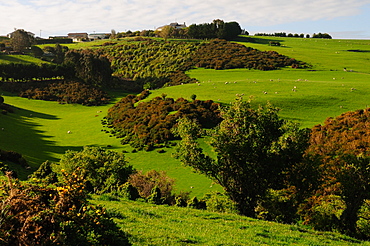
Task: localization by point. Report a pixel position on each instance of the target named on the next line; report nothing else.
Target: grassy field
(163, 225)
(39, 129)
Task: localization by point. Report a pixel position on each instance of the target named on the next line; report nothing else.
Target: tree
(232, 30)
(21, 40)
(37, 51)
(113, 34)
(167, 32)
(253, 149)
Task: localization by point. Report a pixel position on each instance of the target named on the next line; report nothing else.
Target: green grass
(20, 59)
(43, 136)
(163, 225)
(38, 130)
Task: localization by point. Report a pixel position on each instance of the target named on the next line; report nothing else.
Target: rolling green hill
(308, 96)
(39, 131)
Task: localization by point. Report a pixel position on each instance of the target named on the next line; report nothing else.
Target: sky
(349, 19)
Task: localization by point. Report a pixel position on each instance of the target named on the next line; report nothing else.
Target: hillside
(336, 82)
(162, 225)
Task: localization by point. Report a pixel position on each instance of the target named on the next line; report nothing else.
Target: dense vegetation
(36, 214)
(219, 54)
(61, 91)
(149, 123)
(271, 169)
(321, 188)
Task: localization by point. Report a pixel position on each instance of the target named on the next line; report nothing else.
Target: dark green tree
(253, 149)
(21, 40)
(36, 51)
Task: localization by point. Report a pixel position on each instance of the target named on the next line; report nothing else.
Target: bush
(104, 170)
(40, 215)
(219, 202)
(150, 183)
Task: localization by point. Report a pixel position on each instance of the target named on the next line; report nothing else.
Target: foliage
(217, 29)
(129, 192)
(45, 172)
(14, 157)
(219, 202)
(21, 40)
(39, 215)
(151, 63)
(220, 54)
(90, 67)
(66, 92)
(254, 148)
(24, 72)
(321, 35)
(342, 147)
(153, 185)
(103, 170)
(149, 123)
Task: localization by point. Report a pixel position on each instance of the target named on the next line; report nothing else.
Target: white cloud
(57, 17)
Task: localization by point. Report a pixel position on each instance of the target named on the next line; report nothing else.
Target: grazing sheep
(69, 132)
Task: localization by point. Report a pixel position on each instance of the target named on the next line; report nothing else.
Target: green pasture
(38, 129)
(163, 225)
(308, 97)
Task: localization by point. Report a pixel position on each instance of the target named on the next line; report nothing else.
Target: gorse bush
(149, 123)
(220, 54)
(153, 185)
(35, 214)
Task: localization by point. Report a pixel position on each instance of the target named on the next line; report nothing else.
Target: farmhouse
(96, 36)
(174, 25)
(78, 37)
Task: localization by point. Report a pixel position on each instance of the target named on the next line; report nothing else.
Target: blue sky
(348, 19)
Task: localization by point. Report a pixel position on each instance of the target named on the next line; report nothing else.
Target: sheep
(69, 132)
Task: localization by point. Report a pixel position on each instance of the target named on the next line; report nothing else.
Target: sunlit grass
(163, 225)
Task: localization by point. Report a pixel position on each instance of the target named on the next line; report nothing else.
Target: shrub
(219, 202)
(103, 170)
(40, 215)
(129, 192)
(147, 183)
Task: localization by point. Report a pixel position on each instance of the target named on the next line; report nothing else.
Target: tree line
(295, 35)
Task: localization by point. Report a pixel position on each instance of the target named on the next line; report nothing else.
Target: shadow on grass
(20, 133)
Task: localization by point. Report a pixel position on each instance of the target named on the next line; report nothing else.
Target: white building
(174, 25)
